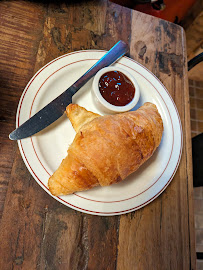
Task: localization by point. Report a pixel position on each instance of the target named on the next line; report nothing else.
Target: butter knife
(56, 108)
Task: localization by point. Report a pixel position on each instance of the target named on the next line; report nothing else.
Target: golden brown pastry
(79, 116)
(106, 149)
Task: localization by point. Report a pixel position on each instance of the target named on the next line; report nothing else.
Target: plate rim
(61, 199)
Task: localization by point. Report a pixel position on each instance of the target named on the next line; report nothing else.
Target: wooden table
(37, 232)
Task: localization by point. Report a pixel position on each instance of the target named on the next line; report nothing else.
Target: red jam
(116, 88)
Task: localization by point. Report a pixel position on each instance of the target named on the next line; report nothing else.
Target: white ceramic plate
(42, 153)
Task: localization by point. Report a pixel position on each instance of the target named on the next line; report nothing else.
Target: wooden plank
(37, 227)
(189, 167)
(159, 224)
(20, 27)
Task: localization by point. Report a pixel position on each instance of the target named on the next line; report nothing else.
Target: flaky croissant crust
(108, 149)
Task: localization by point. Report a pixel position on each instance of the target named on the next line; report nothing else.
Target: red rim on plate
(46, 170)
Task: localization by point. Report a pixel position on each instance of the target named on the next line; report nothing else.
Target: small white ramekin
(104, 105)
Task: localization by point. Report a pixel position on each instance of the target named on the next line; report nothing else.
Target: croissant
(106, 149)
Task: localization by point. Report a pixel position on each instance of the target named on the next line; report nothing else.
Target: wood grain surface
(37, 232)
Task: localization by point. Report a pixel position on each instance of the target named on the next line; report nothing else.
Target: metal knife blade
(56, 108)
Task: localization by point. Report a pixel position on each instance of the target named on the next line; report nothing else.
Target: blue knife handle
(116, 52)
